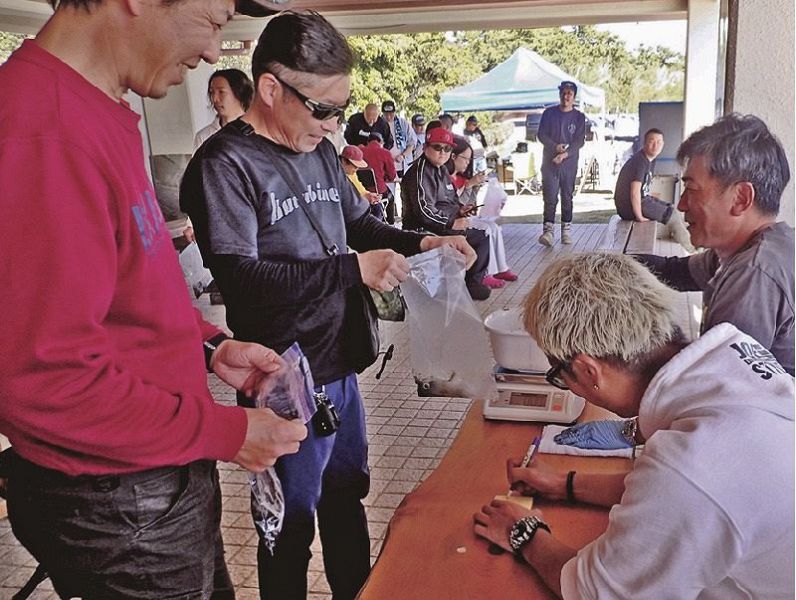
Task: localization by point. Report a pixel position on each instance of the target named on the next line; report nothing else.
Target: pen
(526, 460)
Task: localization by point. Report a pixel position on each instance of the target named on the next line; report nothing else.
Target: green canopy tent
(523, 81)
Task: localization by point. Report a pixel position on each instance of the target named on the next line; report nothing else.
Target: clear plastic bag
(197, 277)
(290, 394)
(449, 346)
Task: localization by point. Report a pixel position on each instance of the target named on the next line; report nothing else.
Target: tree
(8, 43)
(415, 69)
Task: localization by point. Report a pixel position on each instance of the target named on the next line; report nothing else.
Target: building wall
(764, 74)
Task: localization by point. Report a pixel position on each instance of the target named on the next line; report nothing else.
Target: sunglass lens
(323, 114)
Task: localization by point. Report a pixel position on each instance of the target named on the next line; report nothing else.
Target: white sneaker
(547, 238)
(566, 233)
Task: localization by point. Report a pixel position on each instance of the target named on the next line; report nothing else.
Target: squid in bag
(290, 394)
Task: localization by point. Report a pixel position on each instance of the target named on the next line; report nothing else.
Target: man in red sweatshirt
(381, 161)
(103, 388)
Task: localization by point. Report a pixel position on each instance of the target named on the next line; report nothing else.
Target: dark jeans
(651, 208)
(479, 241)
(377, 210)
(152, 534)
(329, 475)
(557, 179)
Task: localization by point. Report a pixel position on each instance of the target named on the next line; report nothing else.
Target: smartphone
(367, 178)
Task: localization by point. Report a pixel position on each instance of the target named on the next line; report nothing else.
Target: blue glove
(598, 435)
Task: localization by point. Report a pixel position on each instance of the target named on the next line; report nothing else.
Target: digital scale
(526, 396)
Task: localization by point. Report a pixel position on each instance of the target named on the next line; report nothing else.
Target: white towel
(548, 445)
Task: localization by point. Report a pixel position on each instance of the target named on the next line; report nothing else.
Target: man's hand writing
(536, 478)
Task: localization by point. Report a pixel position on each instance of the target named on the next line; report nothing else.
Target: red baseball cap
(438, 135)
(354, 155)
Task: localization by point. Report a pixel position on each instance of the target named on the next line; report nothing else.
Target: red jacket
(382, 163)
(101, 365)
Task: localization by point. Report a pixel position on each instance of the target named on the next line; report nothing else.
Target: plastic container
(512, 347)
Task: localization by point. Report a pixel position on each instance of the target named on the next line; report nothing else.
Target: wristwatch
(629, 431)
(210, 346)
(522, 532)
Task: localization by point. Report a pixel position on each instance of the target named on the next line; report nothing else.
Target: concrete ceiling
(407, 16)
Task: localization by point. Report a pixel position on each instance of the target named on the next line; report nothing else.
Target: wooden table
(431, 552)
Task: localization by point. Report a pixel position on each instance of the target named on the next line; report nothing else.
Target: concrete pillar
(170, 126)
(173, 121)
(760, 73)
(701, 65)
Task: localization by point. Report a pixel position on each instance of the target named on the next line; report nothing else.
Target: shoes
(547, 237)
(566, 233)
(492, 282)
(506, 275)
(478, 291)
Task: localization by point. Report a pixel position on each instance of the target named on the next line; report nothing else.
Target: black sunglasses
(319, 110)
(441, 147)
(553, 375)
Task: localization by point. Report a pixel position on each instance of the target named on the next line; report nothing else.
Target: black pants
(478, 239)
(555, 179)
(152, 534)
(390, 206)
(651, 208)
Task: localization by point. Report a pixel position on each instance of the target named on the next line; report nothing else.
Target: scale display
(527, 399)
(532, 399)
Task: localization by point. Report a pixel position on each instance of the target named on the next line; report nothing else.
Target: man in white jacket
(707, 511)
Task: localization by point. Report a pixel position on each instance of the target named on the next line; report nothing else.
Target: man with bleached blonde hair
(683, 523)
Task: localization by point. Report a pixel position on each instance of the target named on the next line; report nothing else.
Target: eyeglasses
(441, 147)
(319, 110)
(553, 375)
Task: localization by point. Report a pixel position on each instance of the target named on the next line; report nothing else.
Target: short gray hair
(602, 305)
(741, 148)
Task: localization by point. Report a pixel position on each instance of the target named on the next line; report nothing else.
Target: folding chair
(525, 176)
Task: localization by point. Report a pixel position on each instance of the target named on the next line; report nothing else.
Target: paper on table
(548, 445)
(525, 501)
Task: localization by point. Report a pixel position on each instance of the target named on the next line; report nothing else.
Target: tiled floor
(407, 435)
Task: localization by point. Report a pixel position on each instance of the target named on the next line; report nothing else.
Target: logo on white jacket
(761, 360)
(280, 208)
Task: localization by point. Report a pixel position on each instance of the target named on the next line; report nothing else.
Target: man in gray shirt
(735, 172)
(734, 177)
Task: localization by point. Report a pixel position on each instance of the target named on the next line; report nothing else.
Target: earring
(596, 387)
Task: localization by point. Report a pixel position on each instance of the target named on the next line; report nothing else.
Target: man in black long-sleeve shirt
(430, 203)
(362, 124)
(562, 132)
(247, 190)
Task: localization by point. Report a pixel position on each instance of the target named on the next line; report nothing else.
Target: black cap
(259, 8)
(375, 135)
(388, 106)
(418, 119)
(472, 119)
(568, 84)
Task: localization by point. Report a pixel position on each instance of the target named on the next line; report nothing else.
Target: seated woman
(467, 185)
(707, 511)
